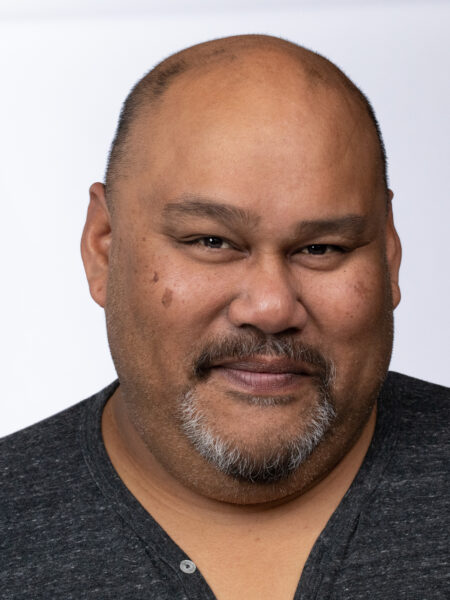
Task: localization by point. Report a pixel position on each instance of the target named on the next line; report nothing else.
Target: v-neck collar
(328, 552)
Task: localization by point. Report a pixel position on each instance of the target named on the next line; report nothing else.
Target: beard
(277, 458)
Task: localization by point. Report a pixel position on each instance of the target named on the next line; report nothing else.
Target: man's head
(247, 261)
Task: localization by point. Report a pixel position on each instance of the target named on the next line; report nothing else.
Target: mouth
(264, 375)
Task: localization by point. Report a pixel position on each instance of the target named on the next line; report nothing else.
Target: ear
(393, 253)
(96, 242)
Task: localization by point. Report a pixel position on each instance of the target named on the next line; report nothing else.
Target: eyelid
(333, 247)
(196, 241)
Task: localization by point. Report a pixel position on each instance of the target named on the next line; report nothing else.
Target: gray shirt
(70, 529)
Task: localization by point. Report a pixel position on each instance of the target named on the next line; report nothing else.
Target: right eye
(210, 241)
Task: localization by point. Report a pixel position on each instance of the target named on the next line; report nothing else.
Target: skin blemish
(166, 300)
(155, 277)
(361, 289)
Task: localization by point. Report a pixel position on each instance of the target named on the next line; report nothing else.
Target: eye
(210, 241)
(320, 249)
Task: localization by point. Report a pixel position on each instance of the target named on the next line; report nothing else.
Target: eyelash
(196, 241)
(324, 247)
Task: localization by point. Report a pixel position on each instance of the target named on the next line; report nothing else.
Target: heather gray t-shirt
(70, 529)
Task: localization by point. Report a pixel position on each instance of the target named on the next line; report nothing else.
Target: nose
(268, 299)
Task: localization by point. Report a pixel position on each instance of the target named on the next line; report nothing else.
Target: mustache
(250, 344)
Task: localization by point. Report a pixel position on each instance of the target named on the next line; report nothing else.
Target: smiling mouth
(264, 376)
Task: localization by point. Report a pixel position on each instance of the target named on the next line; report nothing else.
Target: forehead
(262, 124)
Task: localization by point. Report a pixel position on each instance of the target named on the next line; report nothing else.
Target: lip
(264, 376)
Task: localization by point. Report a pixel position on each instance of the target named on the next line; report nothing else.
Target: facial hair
(282, 457)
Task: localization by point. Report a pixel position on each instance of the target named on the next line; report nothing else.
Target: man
(254, 446)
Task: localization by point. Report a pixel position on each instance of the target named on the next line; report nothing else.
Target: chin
(266, 458)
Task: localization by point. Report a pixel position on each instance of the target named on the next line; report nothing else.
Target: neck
(162, 495)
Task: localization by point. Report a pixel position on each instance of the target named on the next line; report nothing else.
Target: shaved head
(238, 59)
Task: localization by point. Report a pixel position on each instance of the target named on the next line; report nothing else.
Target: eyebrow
(351, 225)
(199, 206)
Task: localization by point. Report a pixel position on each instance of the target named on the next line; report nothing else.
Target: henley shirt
(70, 529)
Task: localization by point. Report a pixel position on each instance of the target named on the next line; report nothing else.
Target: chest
(258, 567)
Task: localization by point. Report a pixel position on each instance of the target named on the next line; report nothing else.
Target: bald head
(268, 65)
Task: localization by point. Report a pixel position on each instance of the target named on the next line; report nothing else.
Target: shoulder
(414, 488)
(421, 409)
(30, 455)
(412, 389)
(399, 545)
(41, 464)
(61, 535)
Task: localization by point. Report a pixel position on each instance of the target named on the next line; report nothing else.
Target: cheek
(169, 297)
(351, 303)
(351, 319)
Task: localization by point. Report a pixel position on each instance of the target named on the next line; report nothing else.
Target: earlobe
(393, 254)
(96, 242)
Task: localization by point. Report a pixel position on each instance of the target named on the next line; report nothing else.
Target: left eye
(319, 249)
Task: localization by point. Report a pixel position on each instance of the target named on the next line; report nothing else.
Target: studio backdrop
(65, 71)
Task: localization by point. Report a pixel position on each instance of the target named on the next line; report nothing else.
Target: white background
(65, 69)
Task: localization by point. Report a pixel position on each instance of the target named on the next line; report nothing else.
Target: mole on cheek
(166, 300)
(155, 277)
